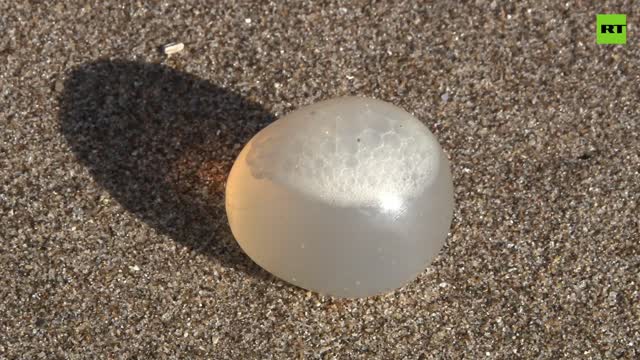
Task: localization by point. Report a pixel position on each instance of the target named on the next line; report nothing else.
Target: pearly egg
(349, 197)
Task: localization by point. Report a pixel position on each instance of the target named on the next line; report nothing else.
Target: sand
(114, 241)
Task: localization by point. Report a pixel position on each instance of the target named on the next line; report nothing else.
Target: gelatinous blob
(351, 178)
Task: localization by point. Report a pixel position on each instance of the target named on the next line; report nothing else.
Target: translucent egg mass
(349, 197)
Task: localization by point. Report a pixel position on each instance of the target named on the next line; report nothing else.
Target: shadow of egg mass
(161, 142)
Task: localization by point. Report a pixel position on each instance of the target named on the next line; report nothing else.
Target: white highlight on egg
(390, 202)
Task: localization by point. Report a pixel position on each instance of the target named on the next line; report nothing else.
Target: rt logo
(611, 29)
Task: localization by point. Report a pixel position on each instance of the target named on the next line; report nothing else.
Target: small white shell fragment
(349, 197)
(173, 48)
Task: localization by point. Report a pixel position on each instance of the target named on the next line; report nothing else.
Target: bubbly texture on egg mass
(342, 151)
(349, 197)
